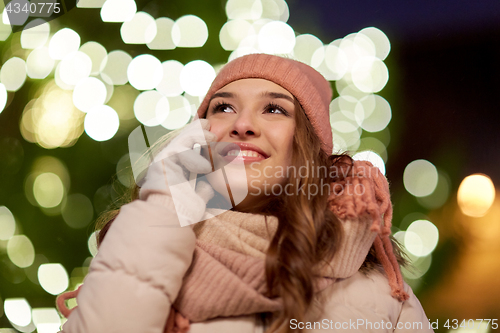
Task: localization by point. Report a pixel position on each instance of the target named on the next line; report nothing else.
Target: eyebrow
(264, 94)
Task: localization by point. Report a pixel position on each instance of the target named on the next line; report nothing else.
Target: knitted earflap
(361, 190)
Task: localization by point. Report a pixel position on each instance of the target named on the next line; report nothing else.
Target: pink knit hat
(309, 87)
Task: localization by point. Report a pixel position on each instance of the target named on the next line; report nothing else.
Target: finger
(204, 191)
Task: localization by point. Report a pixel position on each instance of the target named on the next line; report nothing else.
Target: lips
(244, 151)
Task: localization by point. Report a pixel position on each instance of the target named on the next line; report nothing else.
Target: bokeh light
(170, 84)
(421, 238)
(53, 278)
(233, 32)
(180, 112)
(141, 29)
(145, 72)
(370, 74)
(74, 67)
(77, 211)
(189, 31)
(101, 123)
(97, 53)
(46, 320)
(48, 190)
(90, 3)
(276, 38)
(13, 74)
(18, 311)
(114, 67)
(118, 10)
(372, 157)
(475, 195)
(7, 223)
(88, 93)
(64, 42)
(305, 46)
(39, 64)
(20, 251)
(92, 244)
(379, 39)
(375, 112)
(35, 34)
(145, 108)
(196, 77)
(3, 97)
(440, 194)
(163, 39)
(244, 9)
(420, 178)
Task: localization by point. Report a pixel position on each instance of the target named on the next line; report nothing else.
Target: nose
(245, 125)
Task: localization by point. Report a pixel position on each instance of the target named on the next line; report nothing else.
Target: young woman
(301, 242)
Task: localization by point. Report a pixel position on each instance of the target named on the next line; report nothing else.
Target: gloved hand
(167, 176)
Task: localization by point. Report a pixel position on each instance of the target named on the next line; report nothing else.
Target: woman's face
(258, 116)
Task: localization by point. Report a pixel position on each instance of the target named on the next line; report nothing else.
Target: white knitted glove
(167, 176)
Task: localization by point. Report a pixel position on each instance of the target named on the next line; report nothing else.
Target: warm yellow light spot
(20, 251)
(476, 195)
(48, 190)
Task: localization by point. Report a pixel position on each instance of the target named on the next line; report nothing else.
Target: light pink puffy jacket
(138, 271)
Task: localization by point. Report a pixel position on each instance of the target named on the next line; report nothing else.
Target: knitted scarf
(227, 275)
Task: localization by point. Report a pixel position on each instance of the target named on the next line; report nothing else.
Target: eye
(276, 109)
(222, 107)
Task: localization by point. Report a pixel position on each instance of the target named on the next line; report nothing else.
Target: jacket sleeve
(137, 273)
(412, 317)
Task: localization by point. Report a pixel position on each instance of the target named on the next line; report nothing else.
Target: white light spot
(97, 53)
(233, 32)
(336, 60)
(305, 46)
(53, 278)
(13, 74)
(39, 64)
(92, 244)
(64, 42)
(379, 39)
(376, 119)
(163, 39)
(421, 238)
(18, 311)
(88, 93)
(74, 67)
(7, 223)
(189, 31)
(35, 34)
(244, 9)
(276, 38)
(196, 77)
(90, 3)
(145, 72)
(369, 74)
(3, 97)
(145, 108)
(372, 157)
(180, 113)
(118, 10)
(170, 84)
(21, 251)
(140, 30)
(46, 320)
(420, 178)
(48, 190)
(114, 67)
(101, 123)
